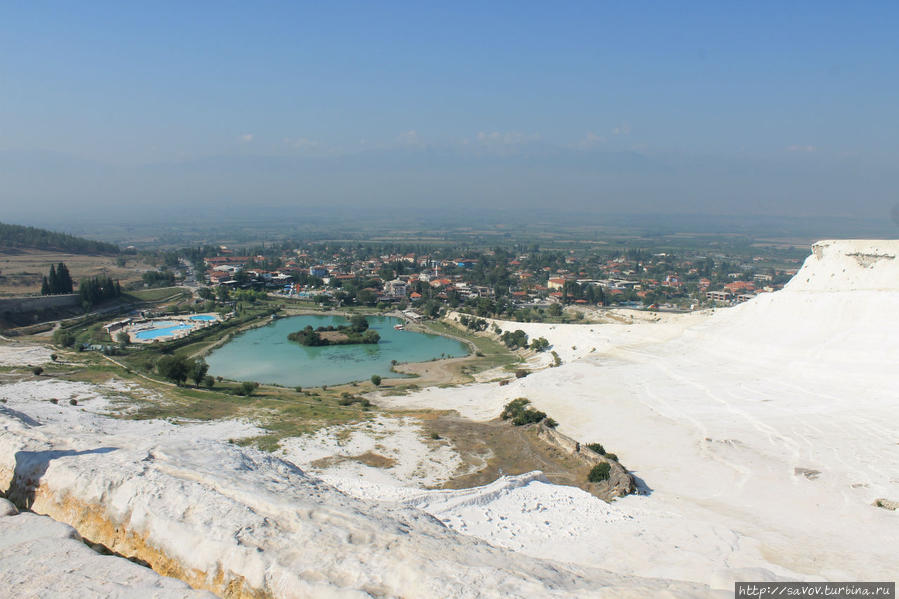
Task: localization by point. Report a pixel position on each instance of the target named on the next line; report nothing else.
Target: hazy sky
(730, 108)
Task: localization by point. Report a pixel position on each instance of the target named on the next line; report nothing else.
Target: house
(396, 288)
(557, 283)
(719, 296)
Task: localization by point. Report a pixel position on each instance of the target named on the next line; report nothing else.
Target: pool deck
(177, 326)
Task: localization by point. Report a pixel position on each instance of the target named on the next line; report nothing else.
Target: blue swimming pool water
(162, 331)
(205, 317)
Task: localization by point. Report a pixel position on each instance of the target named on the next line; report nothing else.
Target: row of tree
(58, 281)
(95, 290)
(42, 239)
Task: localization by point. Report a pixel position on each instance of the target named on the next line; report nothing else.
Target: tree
(208, 381)
(37, 370)
(540, 344)
(206, 293)
(366, 297)
(599, 472)
(174, 368)
(123, 339)
(52, 280)
(65, 279)
(63, 338)
(198, 370)
(358, 323)
(375, 380)
(247, 388)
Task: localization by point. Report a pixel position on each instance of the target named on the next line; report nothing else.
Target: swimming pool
(162, 331)
(204, 317)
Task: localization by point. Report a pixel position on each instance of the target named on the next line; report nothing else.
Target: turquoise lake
(265, 355)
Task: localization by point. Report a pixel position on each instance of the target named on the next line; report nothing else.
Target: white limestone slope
(243, 523)
(764, 431)
(40, 557)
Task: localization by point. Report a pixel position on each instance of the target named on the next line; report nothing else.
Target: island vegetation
(357, 332)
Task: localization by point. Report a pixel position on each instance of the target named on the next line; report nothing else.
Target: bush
(53, 357)
(521, 373)
(54, 400)
(599, 473)
(550, 422)
(208, 382)
(612, 456)
(298, 389)
(73, 402)
(37, 370)
(247, 388)
(597, 447)
(518, 411)
(375, 380)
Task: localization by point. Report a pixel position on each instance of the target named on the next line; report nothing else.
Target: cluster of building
(526, 279)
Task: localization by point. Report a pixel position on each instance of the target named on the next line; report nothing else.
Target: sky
(120, 108)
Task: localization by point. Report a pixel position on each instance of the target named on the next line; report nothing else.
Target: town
(524, 284)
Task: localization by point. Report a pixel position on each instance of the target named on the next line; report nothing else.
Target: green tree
(64, 279)
(123, 339)
(198, 370)
(173, 368)
(599, 472)
(247, 388)
(375, 380)
(358, 323)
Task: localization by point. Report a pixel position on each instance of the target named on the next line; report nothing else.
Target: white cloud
(246, 138)
(509, 138)
(801, 148)
(301, 143)
(591, 139)
(409, 138)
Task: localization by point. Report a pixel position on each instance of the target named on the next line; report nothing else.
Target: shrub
(612, 456)
(73, 402)
(247, 388)
(514, 407)
(599, 473)
(521, 373)
(518, 411)
(528, 416)
(54, 400)
(37, 370)
(596, 447)
(375, 380)
(551, 423)
(208, 381)
(53, 357)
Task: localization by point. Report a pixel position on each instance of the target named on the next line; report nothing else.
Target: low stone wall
(17, 305)
(24, 311)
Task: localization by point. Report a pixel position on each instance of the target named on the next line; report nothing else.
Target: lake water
(265, 355)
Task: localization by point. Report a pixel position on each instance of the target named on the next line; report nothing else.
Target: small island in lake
(357, 332)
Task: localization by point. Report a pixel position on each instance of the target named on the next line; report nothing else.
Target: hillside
(761, 435)
(22, 237)
(765, 433)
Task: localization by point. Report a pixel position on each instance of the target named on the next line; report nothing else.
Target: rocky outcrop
(40, 557)
(241, 523)
(620, 482)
